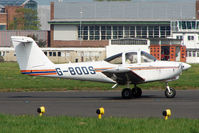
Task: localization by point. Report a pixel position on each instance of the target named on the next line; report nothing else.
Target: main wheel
(137, 92)
(170, 94)
(126, 93)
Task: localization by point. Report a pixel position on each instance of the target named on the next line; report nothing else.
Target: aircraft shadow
(87, 97)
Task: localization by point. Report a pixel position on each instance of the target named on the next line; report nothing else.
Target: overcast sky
(47, 2)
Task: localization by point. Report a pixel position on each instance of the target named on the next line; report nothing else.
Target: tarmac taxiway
(85, 103)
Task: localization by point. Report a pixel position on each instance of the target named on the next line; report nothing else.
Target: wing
(123, 76)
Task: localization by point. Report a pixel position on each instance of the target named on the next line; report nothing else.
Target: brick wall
(51, 10)
(183, 53)
(3, 18)
(197, 9)
(83, 43)
(155, 50)
(11, 13)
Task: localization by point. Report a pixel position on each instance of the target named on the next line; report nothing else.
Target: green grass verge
(12, 80)
(64, 124)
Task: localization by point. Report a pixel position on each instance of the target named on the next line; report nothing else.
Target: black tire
(126, 93)
(170, 94)
(137, 92)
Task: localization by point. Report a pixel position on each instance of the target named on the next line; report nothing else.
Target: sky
(47, 2)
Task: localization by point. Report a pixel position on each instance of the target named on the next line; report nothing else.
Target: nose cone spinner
(185, 66)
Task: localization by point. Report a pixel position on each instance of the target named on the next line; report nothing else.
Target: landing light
(100, 112)
(41, 110)
(166, 113)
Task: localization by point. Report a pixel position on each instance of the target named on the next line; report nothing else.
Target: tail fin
(29, 55)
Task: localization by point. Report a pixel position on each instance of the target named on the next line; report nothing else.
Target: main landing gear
(128, 93)
(169, 92)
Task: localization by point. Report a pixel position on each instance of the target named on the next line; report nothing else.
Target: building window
(91, 31)
(85, 33)
(120, 32)
(97, 37)
(138, 33)
(156, 32)
(108, 36)
(197, 53)
(59, 53)
(163, 31)
(189, 53)
(179, 37)
(126, 31)
(115, 32)
(168, 31)
(144, 32)
(50, 53)
(151, 32)
(190, 38)
(194, 53)
(132, 31)
(54, 53)
(103, 32)
(2, 27)
(106, 32)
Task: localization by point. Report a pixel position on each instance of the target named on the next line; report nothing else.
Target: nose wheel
(128, 93)
(170, 92)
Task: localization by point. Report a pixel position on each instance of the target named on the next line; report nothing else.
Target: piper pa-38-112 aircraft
(133, 67)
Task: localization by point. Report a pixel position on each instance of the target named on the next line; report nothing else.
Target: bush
(1, 59)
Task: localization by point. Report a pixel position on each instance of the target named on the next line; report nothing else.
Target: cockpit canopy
(131, 58)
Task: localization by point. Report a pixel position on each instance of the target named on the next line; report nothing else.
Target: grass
(12, 80)
(59, 124)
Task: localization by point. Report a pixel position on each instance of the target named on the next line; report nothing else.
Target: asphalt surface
(85, 103)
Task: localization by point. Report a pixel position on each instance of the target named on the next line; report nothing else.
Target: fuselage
(92, 71)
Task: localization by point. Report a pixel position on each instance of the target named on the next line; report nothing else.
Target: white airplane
(134, 67)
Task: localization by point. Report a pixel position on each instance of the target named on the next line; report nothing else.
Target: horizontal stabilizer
(29, 55)
(21, 39)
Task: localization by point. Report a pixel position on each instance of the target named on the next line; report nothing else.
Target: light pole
(80, 26)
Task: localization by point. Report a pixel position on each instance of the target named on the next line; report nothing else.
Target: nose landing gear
(169, 92)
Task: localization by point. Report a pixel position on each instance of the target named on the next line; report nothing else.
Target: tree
(26, 19)
(40, 42)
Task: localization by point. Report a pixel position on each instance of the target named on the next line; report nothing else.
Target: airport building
(188, 32)
(166, 29)
(94, 24)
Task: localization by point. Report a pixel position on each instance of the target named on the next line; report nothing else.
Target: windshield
(145, 57)
(115, 59)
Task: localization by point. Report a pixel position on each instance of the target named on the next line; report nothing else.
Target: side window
(117, 60)
(131, 58)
